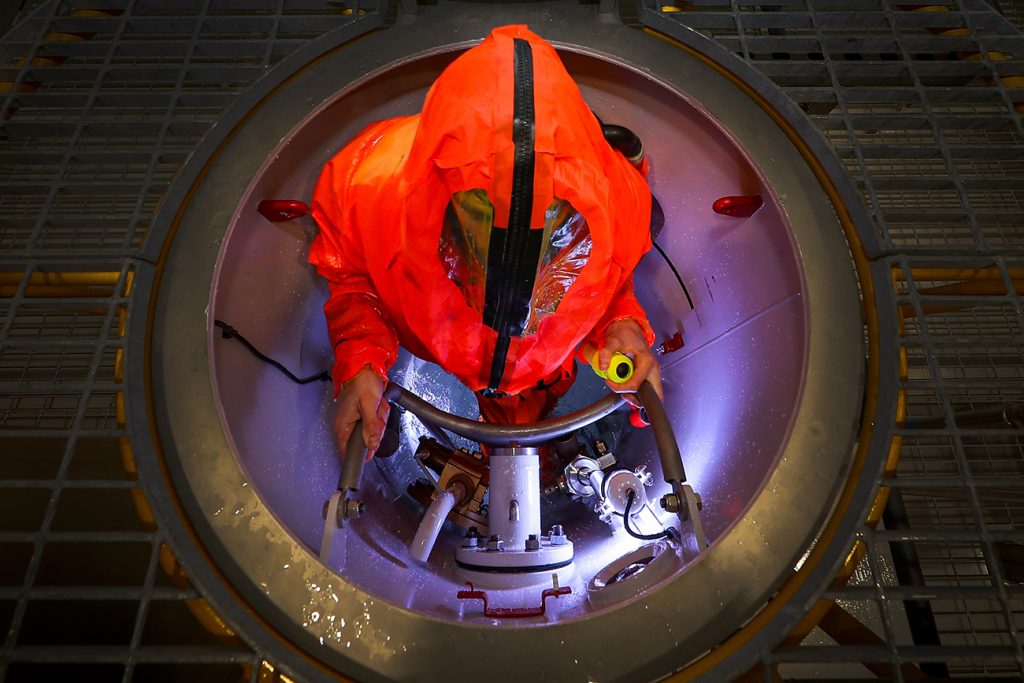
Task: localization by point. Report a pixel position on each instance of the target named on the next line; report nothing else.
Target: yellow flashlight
(620, 369)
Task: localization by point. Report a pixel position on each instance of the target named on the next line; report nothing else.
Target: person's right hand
(626, 336)
(361, 398)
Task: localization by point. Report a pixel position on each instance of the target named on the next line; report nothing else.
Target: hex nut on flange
(354, 508)
(670, 502)
(557, 535)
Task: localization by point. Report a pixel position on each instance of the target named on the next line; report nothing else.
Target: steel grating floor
(103, 101)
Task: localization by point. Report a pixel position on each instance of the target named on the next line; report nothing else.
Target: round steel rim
(618, 34)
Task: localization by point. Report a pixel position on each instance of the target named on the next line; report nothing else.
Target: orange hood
(505, 117)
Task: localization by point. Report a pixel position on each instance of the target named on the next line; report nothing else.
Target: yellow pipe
(959, 274)
(69, 277)
(122, 328)
(972, 288)
(129, 282)
(938, 9)
(65, 284)
(55, 292)
(199, 607)
(54, 37)
(1007, 81)
(962, 282)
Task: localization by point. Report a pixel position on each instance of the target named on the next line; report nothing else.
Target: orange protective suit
(387, 201)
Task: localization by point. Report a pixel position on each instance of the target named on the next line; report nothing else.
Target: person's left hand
(626, 337)
(361, 399)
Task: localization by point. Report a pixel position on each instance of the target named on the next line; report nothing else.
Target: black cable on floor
(228, 332)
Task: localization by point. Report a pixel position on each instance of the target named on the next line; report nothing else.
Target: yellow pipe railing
(46, 284)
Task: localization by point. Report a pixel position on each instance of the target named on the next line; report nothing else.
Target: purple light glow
(730, 391)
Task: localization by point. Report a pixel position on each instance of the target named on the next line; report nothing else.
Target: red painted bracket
(739, 206)
(281, 210)
(512, 612)
(672, 344)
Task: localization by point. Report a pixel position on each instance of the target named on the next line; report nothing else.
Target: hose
(433, 520)
(664, 439)
(624, 140)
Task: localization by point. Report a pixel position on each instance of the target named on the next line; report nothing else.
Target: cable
(630, 497)
(629, 145)
(674, 272)
(228, 332)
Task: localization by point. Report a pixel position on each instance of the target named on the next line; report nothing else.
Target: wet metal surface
(731, 391)
(241, 509)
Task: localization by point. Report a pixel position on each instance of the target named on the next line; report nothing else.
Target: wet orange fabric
(380, 205)
(529, 405)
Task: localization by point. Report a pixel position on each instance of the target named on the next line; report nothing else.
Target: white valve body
(514, 506)
(513, 516)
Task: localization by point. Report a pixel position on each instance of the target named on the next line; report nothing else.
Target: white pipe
(514, 495)
(430, 527)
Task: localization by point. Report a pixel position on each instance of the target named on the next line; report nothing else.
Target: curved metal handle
(339, 507)
(539, 432)
(355, 456)
(531, 434)
(502, 435)
(687, 501)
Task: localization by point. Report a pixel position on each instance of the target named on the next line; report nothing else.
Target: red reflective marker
(281, 210)
(638, 418)
(672, 344)
(739, 206)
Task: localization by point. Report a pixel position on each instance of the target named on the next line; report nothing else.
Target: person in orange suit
(495, 234)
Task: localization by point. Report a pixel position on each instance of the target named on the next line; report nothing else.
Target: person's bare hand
(361, 398)
(626, 337)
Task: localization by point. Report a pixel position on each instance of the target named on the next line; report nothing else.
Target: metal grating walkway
(104, 100)
(923, 104)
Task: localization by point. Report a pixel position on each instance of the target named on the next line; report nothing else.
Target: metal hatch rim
(156, 290)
